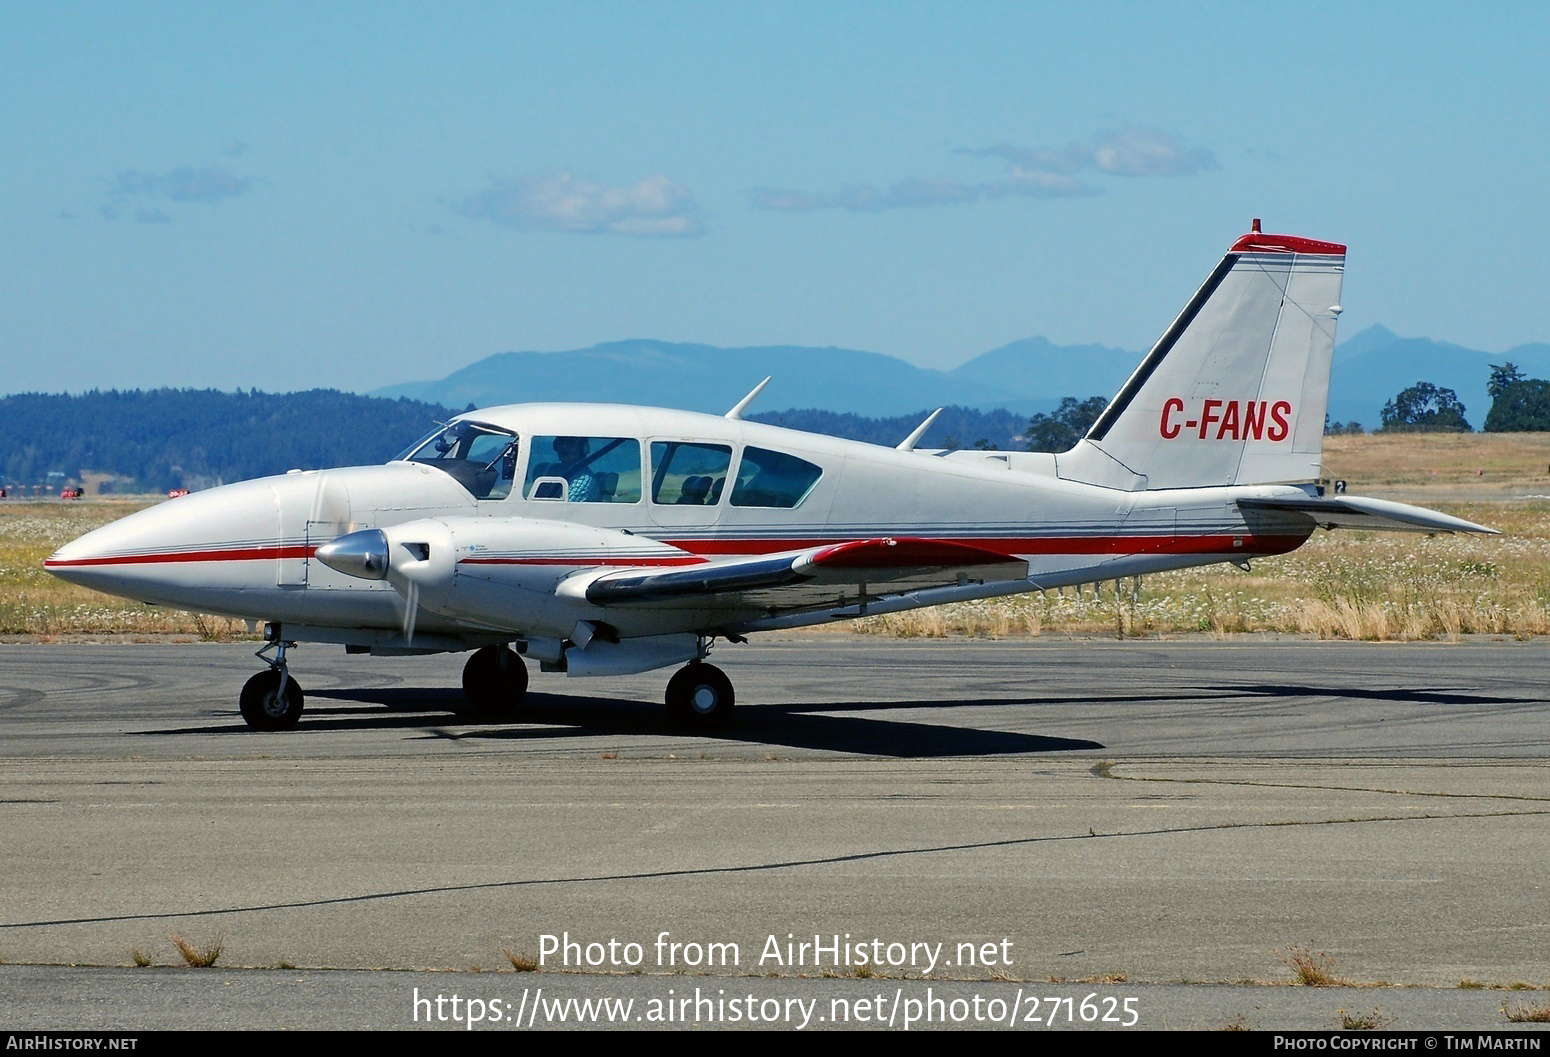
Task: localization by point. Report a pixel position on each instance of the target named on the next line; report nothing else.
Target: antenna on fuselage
(909, 442)
(742, 405)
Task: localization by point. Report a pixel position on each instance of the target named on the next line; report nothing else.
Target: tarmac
(1180, 824)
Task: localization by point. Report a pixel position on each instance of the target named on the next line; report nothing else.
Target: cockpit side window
(773, 479)
(584, 470)
(481, 458)
(686, 474)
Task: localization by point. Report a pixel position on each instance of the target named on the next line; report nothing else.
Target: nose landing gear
(272, 700)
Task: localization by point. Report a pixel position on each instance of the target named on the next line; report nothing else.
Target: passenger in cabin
(572, 452)
(584, 469)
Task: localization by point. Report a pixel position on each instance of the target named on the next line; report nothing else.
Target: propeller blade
(411, 610)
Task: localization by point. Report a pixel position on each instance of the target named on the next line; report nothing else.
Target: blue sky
(286, 196)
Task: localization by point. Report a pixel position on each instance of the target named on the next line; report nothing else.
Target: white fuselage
(247, 550)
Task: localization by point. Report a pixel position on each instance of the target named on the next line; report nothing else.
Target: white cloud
(1039, 183)
(1140, 151)
(132, 190)
(180, 185)
(1039, 172)
(866, 198)
(787, 201)
(1134, 150)
(557, 200)
(915, 193)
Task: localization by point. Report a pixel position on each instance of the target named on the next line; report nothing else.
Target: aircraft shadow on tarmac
(440, 713)
(1397, 694)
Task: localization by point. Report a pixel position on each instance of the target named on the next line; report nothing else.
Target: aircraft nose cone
(363, 554)
(193, 552)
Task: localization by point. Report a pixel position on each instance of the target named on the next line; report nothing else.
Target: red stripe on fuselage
(234, 554)
(1215, 543)
(687, 559)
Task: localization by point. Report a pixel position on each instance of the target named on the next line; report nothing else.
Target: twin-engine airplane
(605, 539)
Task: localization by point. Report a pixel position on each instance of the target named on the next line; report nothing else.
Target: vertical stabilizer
(1235, 391)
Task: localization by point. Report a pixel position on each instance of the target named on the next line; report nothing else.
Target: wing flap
(816, 576)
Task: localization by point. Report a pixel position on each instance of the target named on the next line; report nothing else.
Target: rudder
(1236, 389)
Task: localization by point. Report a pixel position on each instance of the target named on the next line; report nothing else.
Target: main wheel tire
(494, 679)
(271, 700)
(700, 695)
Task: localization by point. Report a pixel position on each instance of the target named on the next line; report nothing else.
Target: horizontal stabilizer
(1360, 512)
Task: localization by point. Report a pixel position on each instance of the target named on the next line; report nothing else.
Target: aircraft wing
(837, 573)
(1363, 513)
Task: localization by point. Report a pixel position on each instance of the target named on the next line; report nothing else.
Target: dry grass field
(1439, 466)
(1352, 585)
(1349, 585)
(33, 603)
(1344, 584)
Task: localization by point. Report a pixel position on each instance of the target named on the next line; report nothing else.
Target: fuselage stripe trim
(703, 550)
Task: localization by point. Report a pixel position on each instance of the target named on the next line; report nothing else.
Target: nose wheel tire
(700, 695)
(271, 700)
(494, 679)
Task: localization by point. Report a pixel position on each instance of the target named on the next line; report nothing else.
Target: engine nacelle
(504, 573)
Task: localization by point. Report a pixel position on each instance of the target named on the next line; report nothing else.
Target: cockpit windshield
(481, 458)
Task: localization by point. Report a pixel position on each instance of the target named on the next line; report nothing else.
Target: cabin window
(481, 458)
(773, 479)
(685, 474)
(584, 470)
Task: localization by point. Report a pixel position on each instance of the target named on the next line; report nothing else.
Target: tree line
(159, 439)
(1519, 404)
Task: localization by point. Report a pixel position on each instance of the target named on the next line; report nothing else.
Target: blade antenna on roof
(909, 442)
(742, 405)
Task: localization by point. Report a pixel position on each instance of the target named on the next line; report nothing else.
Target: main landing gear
(494, 679)
(272, 700)
(700, 695)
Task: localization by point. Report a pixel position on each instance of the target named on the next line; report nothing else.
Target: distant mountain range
(151, 441)
(1024, 377)
(1371, 367)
